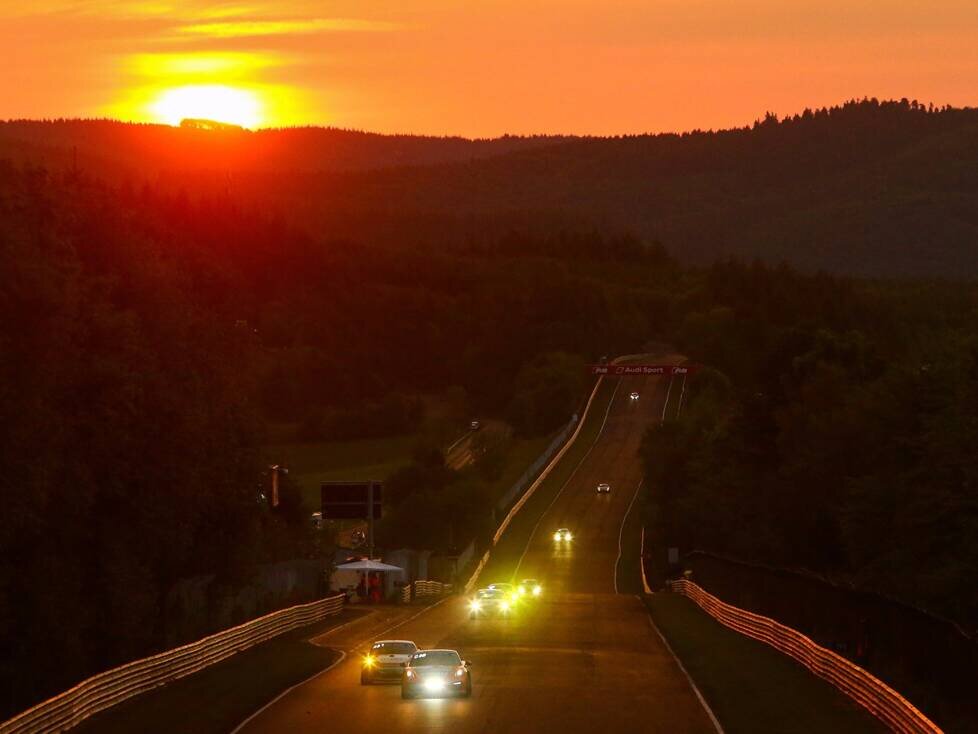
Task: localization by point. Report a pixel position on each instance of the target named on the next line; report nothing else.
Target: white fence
(863, 687)
(114, 686)
(422, 588)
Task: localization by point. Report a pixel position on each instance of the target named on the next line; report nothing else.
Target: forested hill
(112, 148)
(868, 188)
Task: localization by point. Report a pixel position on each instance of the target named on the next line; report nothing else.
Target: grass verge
(220, 697)
(750, 686)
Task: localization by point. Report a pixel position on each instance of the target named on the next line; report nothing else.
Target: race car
(504, 587)
(436, 673)
(563, 534)
(491, 603)
(386, 660)
(604, 488)
(529, 588)
(634, 396)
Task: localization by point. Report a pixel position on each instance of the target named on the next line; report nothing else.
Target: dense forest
(869, 188)
(154, 321)
(833, 432)
(149, 338)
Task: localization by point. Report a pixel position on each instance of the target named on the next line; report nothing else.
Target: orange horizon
(573, 68)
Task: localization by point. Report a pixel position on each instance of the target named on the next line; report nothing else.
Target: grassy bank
(220, 697)
(750, 686)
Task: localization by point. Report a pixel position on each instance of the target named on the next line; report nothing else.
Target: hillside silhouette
(869, 188)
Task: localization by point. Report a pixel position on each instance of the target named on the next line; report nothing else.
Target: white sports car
(604, 488)
(563, 534)
(386, 660)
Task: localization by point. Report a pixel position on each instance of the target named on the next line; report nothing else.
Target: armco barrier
(114, 686)
(867, 690)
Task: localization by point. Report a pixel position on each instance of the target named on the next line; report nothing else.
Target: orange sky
(479, 68)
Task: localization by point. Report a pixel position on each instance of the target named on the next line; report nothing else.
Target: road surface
(584, 659)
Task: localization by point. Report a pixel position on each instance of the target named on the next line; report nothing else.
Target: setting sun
(210, 101)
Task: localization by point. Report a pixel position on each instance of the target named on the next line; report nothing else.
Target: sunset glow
(481, 69)
(212, 102)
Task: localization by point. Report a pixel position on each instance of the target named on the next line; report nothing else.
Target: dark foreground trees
(835, 440)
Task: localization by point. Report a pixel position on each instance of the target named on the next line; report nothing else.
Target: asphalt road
(582, 659)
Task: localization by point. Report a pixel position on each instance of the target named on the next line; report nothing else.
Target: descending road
(585, 659)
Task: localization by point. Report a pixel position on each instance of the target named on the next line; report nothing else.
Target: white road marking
(621, 530)
(287, 691)
(706, 706)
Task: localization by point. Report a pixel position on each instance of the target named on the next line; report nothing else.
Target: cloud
(247, 28)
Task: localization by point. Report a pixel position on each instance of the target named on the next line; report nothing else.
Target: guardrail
(118, 684)
(860, 685)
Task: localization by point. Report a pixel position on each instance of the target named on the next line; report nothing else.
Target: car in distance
(604, 488)
(436, 673)
(634, 396)
(475, 425)
(490, 603)
(386, 660)
(529, 588)
(563, 534)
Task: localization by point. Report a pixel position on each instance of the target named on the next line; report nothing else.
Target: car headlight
(504, 605)
(369, 660)
(557, 536)
(460, 672)
(568, 536)
(475, 605)
(522, 590)
(537, 590)
(410, 673)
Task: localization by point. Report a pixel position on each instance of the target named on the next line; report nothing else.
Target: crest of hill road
(868, 188)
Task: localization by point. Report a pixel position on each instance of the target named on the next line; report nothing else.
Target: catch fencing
(867, 690)
(114, 686)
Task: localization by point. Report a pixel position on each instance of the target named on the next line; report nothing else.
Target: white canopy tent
(346, 576)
